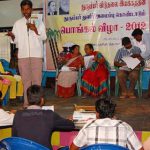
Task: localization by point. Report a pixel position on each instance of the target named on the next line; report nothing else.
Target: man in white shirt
(106, 129)
(142, 40)
(29, 39)
(5, 117)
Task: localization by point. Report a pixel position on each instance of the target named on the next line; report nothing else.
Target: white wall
(10, 11)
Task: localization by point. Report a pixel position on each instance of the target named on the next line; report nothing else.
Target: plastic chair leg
(116, 87)
(78, 88)
(139, 86)
(43, 79)
(108, 86)
(6, 99)
(55, 87)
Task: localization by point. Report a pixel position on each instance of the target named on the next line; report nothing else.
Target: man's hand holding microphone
(32, 27)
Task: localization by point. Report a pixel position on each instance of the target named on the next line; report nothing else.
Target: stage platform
(136, 112)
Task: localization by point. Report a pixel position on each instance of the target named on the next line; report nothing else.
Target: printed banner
(100, 22)
(4, 46)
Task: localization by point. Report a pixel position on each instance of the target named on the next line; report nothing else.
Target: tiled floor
(135, 112)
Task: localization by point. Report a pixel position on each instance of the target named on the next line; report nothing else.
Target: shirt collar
(34, 107)
(129, 50)
(26, 19)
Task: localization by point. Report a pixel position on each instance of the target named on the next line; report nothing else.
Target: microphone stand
(29, 49)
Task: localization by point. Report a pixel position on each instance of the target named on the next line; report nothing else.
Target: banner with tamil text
(100, 22)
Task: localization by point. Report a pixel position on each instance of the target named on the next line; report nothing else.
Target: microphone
(27, 25)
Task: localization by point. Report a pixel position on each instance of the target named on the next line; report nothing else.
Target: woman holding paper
(94, 80)
(66, 81)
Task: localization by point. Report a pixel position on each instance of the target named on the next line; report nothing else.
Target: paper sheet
(83, 115)
(48, 108)
(66, 68)
(4, 46)
(88, 60)
(131, 62)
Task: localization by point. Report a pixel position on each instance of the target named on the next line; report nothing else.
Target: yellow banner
(100, 22)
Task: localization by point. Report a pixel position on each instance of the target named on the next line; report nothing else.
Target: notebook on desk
(83, 107)
(80, 118)
(82, 114)
(48, 108)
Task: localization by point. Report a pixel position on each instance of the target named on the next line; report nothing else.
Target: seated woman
(95, 77)
(66, 81)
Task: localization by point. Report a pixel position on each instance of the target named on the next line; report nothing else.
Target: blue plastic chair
(6, 99)
(16, 143)
(3, 146)
(47, 74)
(103, 147)
(5, 64)
(63, 148)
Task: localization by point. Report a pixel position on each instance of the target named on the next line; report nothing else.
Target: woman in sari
(66, 81)
(94, 79)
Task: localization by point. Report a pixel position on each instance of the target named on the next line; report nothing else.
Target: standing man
(142, 40)
(29, 39)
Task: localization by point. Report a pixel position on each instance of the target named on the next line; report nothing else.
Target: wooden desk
(65, 138)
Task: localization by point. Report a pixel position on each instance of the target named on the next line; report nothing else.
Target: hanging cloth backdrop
(101, 22)
(4, 46)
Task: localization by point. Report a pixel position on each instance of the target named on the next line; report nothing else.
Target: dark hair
(49, 3)
(105, 108)
(34, 94)
(26, 2)
(137, 31)
(90, 46)
(0, 98)
(125, 41)
(73, 47)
